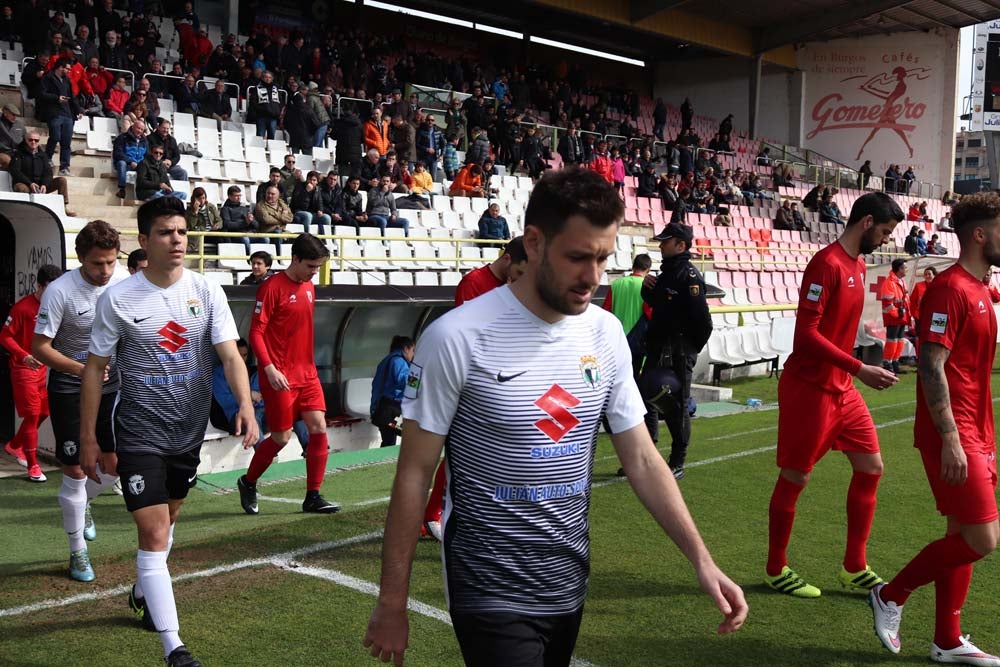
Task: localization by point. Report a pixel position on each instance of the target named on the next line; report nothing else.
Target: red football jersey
(17, 331)
(831, 299)
(956, 312)
(476, 283)
(281, 331)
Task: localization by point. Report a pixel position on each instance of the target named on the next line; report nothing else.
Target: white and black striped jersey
(520, 401)
(66, 315)
(164, 339)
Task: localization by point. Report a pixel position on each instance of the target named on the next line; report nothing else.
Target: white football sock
(73, 501)
(170, 543)
(95, 489)
(159, 593)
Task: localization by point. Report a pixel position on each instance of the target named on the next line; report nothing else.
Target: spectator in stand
(532, 154)
(215, 103)
(201, 216)
(949, 199)
(31, 170)
(151, 178)
(331, 197)
(108, 19)
(186, 95)
(570, 148)
(272, 214)
(829, 211)
(468, 182)
(687, 114)
(9, 29)
(377, 133)
(908, 178)
(944, 225)
(354, 204)
(601, 164)
(32, 75)
(274, 178)
(307, 205)
(913, 213)
(397, 173)
(726, 126)
(492, 225)
(667, 189)
(171, 152)
(370, 167)
(403, 137)
(101, 80)
(114, 103)
(864, 174)
(764, 157)
(922, 210)
(892, 179)
(422, 183)
(454, 120)
(145, 95)
(783, 217)
(921, 243)
(382, 208)
(450, 161)
(260, 270)
(781, 175)
(236, 216)
(659, 118)
(112, 54)
(197, 50)
(715, 143)
(910, 243)
(934, 246)
(618, 173)
(430, 144)
(349, 135)
(128, 152)
(265, 106)
(57, 107)
(299, 124)
(682, 206)
(799, 221)
(319, 105)
(12, 134)
(722, 218)
(479, 150)
(811, 201)
(648, 182)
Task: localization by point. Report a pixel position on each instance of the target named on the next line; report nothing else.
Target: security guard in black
(679, 328)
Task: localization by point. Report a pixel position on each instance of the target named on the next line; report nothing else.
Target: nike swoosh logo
(192, 479)
(141, 319)
(82, 312)
(507, 378)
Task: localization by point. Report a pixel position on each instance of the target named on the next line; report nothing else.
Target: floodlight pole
(755, 73)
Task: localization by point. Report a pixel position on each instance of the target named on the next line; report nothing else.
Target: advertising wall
(888, 99)
(986, 77)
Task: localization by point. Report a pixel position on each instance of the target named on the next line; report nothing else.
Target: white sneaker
(434, 528)
(966, 654)
(887, 616)
(117, 487)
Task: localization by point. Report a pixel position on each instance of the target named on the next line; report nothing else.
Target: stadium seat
(401, 278)
(425, 279)
(209, 169)
(219, 277)
(372, 278)
(211, 191)
(237, 171)
(450, 278)
(232, 145)
(234, 250)
(357, 397)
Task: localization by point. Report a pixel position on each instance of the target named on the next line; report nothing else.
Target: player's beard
(547, 284)
(992, 253)
(869, 244)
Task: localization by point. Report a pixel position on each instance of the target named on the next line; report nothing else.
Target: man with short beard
(820, 408)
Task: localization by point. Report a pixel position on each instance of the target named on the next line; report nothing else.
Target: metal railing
(353, 102)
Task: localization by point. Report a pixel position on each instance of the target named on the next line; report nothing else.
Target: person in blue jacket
(387, 388)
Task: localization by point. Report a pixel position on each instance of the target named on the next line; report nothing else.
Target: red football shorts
(973, 501)
(282, 408)
(31, 396)
(811, 422)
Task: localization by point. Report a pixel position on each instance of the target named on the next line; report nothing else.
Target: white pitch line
(369, 588)
(210, 572)
(294, 501)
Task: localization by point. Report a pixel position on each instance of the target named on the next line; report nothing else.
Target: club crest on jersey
(69, 448)
(413, 380)
(939, 322)
(814, 292)
(194, 307)
(590, 369)
(309, 295)
(136, 484)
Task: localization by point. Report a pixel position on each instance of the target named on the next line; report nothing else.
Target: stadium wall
(849, 84)
(719, 86)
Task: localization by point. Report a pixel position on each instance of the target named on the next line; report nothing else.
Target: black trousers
(384, 418)
(682, 360)
(516, 640)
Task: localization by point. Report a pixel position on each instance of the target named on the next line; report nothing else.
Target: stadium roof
(673, 29)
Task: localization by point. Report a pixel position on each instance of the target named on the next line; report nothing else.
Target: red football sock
(950, 590)
(939, 556)
(436, 502)
(860, 511)
(781, 514)
(262, 458)
(26, 438)
(316, 456)
(889, 351)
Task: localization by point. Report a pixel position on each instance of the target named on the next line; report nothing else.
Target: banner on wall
(881, 99)
(986, 78)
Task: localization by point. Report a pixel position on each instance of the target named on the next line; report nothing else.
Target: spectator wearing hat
(12, 134)
(679, 328)
(31, 170)
(320, 105)
(58, 108)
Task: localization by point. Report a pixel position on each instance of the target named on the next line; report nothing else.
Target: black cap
(675, 230)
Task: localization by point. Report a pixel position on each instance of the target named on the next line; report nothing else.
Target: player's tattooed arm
(934, 383)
